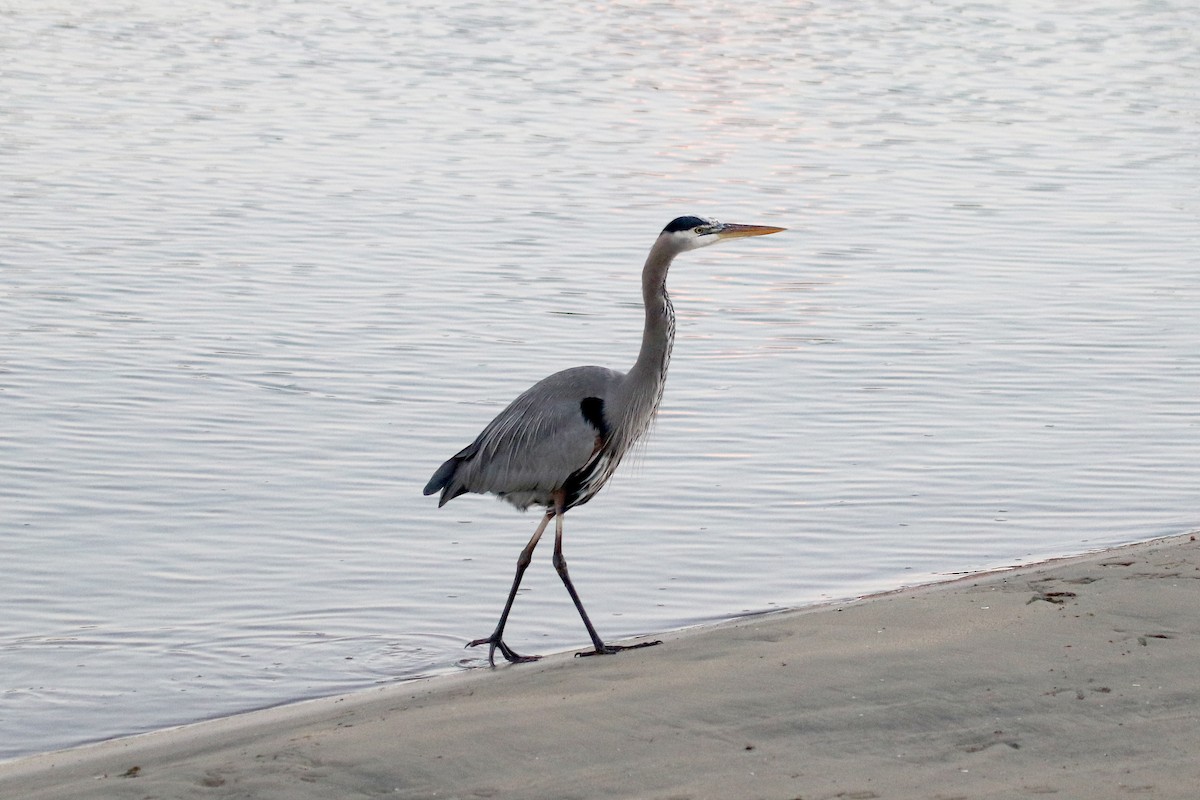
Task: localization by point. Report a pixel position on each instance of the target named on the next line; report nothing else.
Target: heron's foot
(609, 649)
(494, 643)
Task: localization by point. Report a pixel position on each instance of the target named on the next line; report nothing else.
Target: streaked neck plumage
(642, 386)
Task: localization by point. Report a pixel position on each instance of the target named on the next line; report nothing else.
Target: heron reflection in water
(559, 442)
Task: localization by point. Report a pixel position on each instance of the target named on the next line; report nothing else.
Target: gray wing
(530, 449)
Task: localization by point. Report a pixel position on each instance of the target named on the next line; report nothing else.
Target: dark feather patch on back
(582, 484)
(592, 409)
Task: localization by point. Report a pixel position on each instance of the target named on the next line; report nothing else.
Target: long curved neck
(659, 332)
(643, 384)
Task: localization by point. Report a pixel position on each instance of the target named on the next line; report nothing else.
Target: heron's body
(556, 435)
(560, 441)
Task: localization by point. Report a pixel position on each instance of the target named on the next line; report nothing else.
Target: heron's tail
(443, 481)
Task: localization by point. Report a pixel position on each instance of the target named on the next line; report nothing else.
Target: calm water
(264, 265)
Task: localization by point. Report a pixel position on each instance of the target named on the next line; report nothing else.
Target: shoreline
(1072, 676)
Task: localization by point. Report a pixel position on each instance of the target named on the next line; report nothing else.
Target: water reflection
(265, 266)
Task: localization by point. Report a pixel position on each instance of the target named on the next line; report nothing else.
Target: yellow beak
(731, 230)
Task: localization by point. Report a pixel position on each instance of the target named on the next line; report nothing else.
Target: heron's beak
(731, 230)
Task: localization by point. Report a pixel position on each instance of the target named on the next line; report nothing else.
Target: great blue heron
(558, 443)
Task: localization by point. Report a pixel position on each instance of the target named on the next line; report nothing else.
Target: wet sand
(1076, 678)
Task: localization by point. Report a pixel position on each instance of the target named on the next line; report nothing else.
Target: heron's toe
(495, 643)
(610, 649)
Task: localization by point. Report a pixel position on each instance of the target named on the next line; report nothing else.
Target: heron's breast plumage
(631, 410)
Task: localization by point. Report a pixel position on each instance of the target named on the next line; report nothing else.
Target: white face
(688, 233)
(701, 235)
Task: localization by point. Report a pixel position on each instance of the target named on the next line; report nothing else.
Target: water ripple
(264, 267)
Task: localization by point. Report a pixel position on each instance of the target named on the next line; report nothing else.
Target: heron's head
(689, 233)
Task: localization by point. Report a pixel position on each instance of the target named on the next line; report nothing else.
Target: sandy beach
(1076, 678)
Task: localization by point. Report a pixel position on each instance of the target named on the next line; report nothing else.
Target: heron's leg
(560, 565)
(496, 640)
